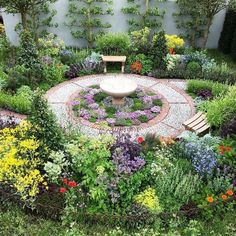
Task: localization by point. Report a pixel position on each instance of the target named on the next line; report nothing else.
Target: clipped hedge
(227, 33)
(194, 86)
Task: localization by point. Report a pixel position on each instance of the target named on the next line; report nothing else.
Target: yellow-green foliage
(2, 29)
(221, 109)
(19, 160)
(148, 199)
(173, 41)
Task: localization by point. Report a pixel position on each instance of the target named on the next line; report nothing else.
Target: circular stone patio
(177, 105)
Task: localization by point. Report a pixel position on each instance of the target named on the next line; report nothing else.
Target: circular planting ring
(177, 105)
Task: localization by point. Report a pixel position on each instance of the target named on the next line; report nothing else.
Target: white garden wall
(118, 21)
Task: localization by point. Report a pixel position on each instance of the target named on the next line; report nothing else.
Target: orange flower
(224, 197)
(221, 148)
(230, 192)
(136, 66)
(228, 148)
(210, 199)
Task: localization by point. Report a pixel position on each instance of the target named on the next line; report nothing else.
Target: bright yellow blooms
(173, 41)
(19, 160)
(148, 199)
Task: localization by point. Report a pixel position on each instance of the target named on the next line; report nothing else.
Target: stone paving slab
(179, 84)
(169, 93)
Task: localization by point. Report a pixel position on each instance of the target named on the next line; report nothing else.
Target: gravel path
(178, 106)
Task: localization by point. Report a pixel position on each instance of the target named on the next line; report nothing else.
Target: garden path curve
(177, 105)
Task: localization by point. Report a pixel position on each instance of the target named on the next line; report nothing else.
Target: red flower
(65, 181)
(228, 148)
(72, 184)
(171, 51)
(221, 148)
(62, 190)
(140, 139)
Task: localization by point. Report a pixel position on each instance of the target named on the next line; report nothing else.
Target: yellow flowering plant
(173, 41)
(149, 199)
(19, 161)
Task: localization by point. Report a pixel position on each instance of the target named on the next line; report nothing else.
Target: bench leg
(105, 67)
(123, 67)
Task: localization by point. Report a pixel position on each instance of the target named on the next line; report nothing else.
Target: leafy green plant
(159, 50)
(146, 63)
(193, 66)
(46, 125)
(144, 14)
(113, 44)
(87, 18)
(220, 109)
(194, 86)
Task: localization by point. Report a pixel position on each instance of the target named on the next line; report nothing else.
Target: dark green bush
(159, 50)
(233, 46)
(227, 32)
(99, 96)
(110, 110)
(193, 66)
(143, 118)
(113, 44)
(45, 122)
(194, 86)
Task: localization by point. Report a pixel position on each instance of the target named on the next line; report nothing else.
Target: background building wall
(118, 21)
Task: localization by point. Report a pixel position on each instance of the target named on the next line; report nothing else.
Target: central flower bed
(96, 106)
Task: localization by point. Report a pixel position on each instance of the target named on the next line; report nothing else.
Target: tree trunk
(24, 20)
(206, 31)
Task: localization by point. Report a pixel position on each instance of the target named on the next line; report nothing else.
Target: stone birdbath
(118, 89)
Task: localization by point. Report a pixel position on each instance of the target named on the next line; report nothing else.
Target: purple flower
(133, 115)
(122, 115)
(156, 109)
(93, 106)
(156, 97)
(75, 103)
(111, 121)
(101, 113)
(84, 114)
(147, 99)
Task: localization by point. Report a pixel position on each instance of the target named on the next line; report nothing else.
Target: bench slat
(199, 126)
(196, 122)
(203, 129)
(192, 119)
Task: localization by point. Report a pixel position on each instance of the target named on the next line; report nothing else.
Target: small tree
(24, 7)
(191, 20)
(227, 33)
(84, 20)
(159, 50)
(210, 9)
(144, 16)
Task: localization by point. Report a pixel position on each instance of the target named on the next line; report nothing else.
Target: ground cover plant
(96, 106)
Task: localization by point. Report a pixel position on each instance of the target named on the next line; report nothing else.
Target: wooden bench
(121, 59)
(197, 124)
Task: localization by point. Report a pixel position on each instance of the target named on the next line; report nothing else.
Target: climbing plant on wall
(196, 17)
(190, 20)
(144, 13)
(84, 18)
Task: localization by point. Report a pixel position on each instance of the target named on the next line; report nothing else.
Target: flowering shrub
(19, 161)
(136, 67)
(50, 45)
(173, 41)
(149, 199)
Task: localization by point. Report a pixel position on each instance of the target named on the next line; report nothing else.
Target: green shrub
(113, 44)
(45, 122)
(193, 66)
(157, 102)
(3, 79)
(227, 32)
(99, 97)
(194, 86)
(16, 103)
(110, 110)
(138, 105)
(81, 55)
(146, 63)
(159, 50)
(233, 46)
(143, 118)
(220, 110)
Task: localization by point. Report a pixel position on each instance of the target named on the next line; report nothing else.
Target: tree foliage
(85, 18)
(149, 15)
